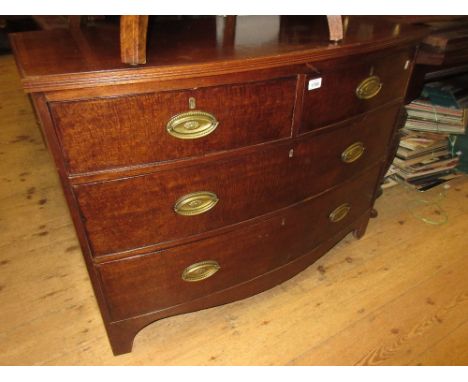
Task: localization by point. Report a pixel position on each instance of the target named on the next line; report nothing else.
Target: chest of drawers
(211, 174)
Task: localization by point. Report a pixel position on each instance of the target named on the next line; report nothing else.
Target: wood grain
(131, 130)
(133, 31)
(141, 284)
(179, 53)
(322, 106)
(133, 212)
(378, 300)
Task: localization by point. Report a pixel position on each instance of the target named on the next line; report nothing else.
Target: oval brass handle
(369, 87)
(195, 203)
(339, 213)
(353, 153)
(192, 124)
(200, 271)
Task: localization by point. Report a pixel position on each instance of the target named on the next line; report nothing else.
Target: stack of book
(427, 155)
(426, 116)
(441, 108)
(424, 159)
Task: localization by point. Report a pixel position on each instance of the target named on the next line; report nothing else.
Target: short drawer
(354, 85)
(139, 211)
(142, 284)
(107, 133)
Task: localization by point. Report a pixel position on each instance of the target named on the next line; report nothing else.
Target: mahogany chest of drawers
(219, 169)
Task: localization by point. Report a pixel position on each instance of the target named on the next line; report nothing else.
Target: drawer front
(107, 133)
(356, 87)
(142, 284)
(149, 209)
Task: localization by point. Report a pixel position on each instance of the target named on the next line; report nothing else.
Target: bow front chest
(223, 166)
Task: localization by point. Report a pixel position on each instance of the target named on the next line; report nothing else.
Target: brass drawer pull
(200, 271)
(191, 125)
(195, 203)
(369, 87)
(339, 213)
(353, 152)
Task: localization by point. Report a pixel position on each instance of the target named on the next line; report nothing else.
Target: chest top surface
(66, 59)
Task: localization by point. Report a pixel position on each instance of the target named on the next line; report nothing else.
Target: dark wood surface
(322, 106)
(275, 157)
(133, 212)
(152, 282)
(247, 115)
(58, 59)
(133, 31)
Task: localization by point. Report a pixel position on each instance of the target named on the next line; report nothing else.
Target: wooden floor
(398, 296)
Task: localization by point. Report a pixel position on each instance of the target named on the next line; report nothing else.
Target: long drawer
(155, 281)
(166, 205)
(352, 86)
(123, 131)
